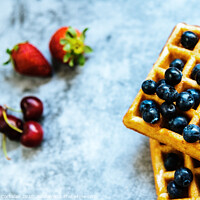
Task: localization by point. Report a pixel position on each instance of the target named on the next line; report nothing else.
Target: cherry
(11, 133)
(32, 108)
(1, 111)
(32, 134)
(8, 131)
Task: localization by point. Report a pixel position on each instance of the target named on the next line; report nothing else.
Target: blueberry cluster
(149, 111)
(164, 88)
(184, 101)
(182, 179)
(174, 102)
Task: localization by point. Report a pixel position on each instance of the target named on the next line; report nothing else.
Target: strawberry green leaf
(84, 32)
(71, 32)
(63, 41)
(16, 47)
(81, 60)
(71, 63)
(8, 51)
(69, 38)
(67, 47)
(66, 57)
(82, 37)
(8, 61)
(87, 49)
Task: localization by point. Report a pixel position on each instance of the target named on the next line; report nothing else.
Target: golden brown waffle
(172, 50)
(163, 177)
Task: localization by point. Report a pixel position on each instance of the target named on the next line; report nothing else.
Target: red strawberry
(67, 46)
(28, 60)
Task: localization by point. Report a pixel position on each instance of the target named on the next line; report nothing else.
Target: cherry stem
(4, 147)
(7, 122)
(12, 109)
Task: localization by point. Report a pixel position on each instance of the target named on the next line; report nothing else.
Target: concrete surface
(87, 153)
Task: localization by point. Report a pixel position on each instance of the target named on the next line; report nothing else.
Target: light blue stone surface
(87, 153)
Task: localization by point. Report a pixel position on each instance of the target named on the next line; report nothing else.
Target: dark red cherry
(32, 134)
(7, 130)
(1, 111)
(32, 108)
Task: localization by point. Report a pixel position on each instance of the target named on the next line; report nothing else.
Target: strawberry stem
(8, 51)
(7, 122)
(73, 45)
(4, 147)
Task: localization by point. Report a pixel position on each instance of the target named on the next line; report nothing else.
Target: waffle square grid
(162, 177)
(159, 131)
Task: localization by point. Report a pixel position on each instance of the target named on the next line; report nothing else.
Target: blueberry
(175, 191)
(149, 87)
(151, 116)
(191, 133)
(168, 110)
(173, 76)
(189, 40)
(146, 105)
(196, 95)
(167, 93)
(160, 82)
(194, 71)
(177, 124)
(198, 78)
(178, 63)
(183, 177)
(172, 161)
(185, 101)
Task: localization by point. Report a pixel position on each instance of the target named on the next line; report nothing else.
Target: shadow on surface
(27, 83)
(142, 164)
(63, 70)
(29, 153)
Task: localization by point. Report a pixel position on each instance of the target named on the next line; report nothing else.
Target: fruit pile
(30, 132)
(175, 103)
(66, 46)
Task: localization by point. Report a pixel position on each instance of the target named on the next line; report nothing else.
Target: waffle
(159, 131)
(163, 177)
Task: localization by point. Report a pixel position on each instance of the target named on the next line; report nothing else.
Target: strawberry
(28, 60)
(67, 46)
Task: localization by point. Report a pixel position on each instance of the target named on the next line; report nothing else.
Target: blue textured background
(86, 148)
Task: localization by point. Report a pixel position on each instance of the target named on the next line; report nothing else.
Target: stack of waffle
(163, 140)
